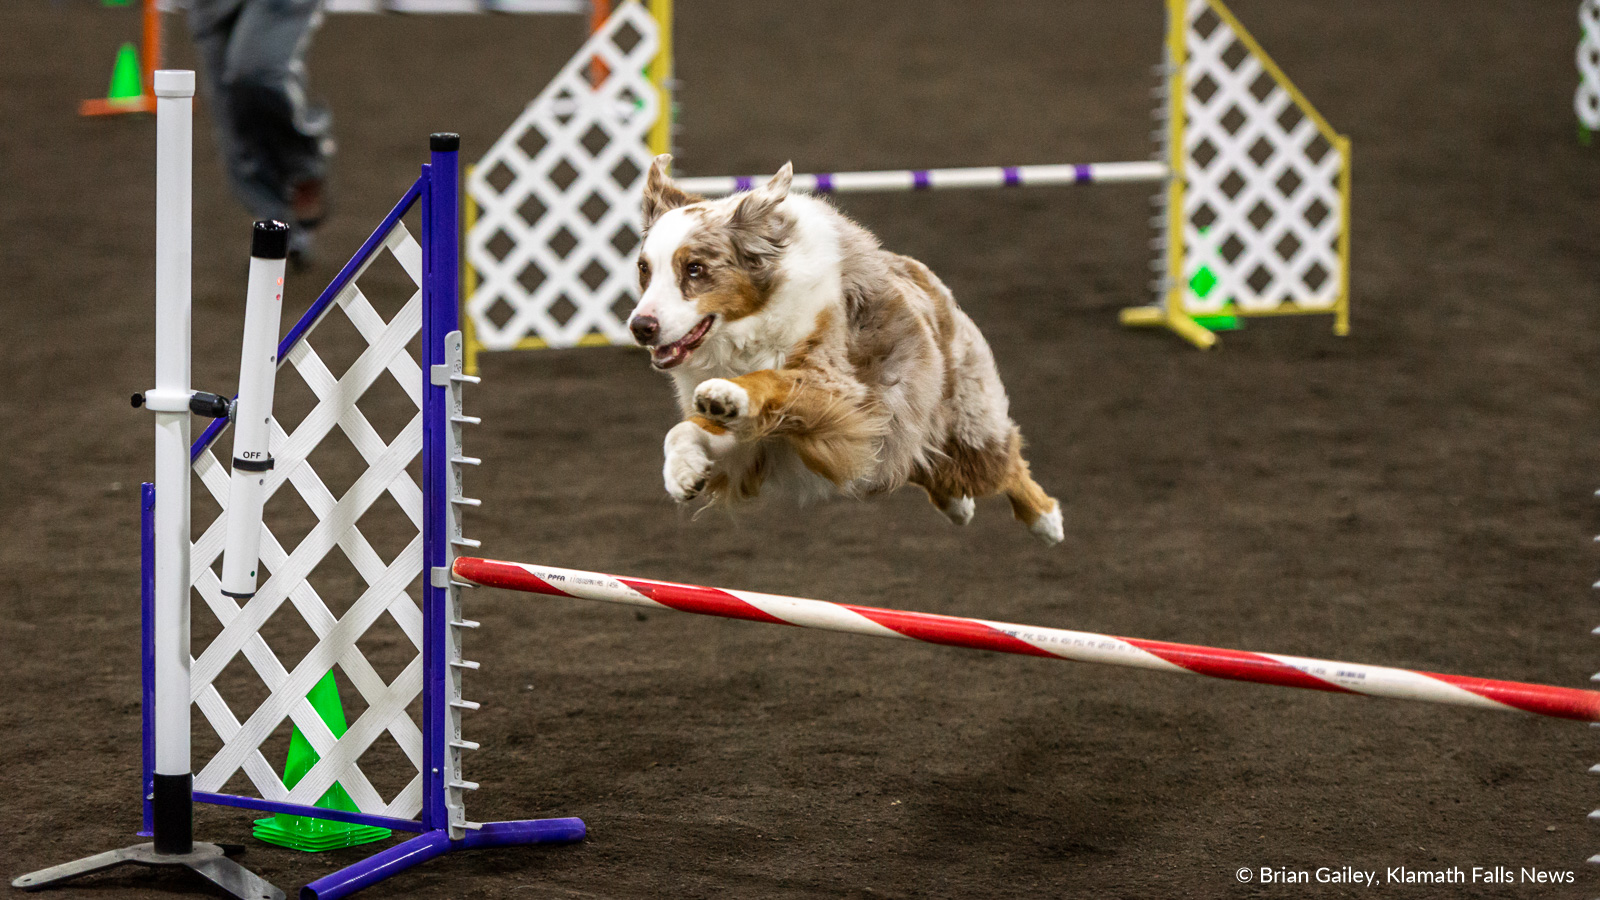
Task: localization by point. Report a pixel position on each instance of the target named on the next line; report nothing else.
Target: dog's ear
(660, 194)
(778, 184)
(759, 232)
(757, 204)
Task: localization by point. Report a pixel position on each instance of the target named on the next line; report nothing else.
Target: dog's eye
(694, 270)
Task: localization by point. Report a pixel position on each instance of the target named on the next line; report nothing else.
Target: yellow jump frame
(1174, 308)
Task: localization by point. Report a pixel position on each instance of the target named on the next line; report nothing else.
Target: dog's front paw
(688, 465)
(720, 400)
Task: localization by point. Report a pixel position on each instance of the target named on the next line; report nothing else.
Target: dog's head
(705, 264)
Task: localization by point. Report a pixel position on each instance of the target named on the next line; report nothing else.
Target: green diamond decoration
(1202, 282)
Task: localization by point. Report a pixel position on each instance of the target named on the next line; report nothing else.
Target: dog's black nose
(645, 329)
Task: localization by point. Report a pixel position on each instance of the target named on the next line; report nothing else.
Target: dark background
(1417, 494)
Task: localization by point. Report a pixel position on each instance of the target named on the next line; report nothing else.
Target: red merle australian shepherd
(808, 358)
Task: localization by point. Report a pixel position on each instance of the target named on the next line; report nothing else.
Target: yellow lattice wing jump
(1256, 220)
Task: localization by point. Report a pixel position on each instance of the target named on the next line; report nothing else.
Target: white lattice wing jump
(1588, 97)
(387, 584)
(1263, 180)
(558, 199)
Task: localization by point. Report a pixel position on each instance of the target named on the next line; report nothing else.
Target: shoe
(301, 248)
(308, 203)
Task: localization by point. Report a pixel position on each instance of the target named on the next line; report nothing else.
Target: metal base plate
(210, 860)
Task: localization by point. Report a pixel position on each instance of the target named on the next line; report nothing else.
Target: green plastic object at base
(1223, 322)
(305, 832)
(126, 82)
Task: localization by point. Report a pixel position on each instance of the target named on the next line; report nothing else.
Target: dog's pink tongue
(674, 354)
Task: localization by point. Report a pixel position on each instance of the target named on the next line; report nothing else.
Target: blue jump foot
(426, 846)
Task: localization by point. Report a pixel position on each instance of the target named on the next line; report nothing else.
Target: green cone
(304, 832)
(126, 82)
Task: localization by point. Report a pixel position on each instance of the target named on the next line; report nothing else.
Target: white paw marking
(960, 510)
(1048, 527)
(721, 400)
(688, 465)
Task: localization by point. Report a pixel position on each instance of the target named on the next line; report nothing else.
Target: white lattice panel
(288, 592)
(1262, 197)
(558, 198)
(1588, 98)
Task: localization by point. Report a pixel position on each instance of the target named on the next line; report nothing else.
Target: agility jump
(1027, 640)
(409, 592)
(1251, 210)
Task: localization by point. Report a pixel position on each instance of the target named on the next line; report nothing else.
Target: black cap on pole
(270, 240)
(444, 141)
(172, 813)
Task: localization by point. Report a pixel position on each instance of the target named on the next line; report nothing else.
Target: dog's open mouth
(669, 355)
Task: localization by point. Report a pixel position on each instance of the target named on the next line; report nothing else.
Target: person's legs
(213, 24)
(264, 80)
(265, 76)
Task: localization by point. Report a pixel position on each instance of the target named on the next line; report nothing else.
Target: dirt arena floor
(1417, 494)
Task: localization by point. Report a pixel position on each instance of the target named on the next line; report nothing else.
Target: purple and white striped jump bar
(938, 179)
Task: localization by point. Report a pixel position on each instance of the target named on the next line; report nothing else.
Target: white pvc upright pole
(258, 369)
(170, 402)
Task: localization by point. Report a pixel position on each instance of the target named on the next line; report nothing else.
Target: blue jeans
(270, 135)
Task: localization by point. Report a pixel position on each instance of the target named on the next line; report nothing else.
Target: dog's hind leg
(1029, 503)
(956, 505)
(964, 471)
(959, 509)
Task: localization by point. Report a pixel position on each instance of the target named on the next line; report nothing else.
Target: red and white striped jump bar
(934, 179)
(1237, 665)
